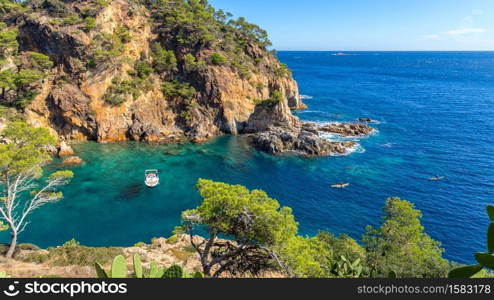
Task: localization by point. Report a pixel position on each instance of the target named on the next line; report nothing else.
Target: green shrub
(91, 64)
(276, 97)
(172, 240)
(3, 274)
(218, 59)
(41, 61)
(163, 60)
(190, 62)
(401, 245)
(90, 23)
(56, 21)
(176, 89)
(7, 6)
(123, 89)
(102, 3)
(282, 70)
(71, 243)
(110, 47)
(122, 32)
(8, 40)
(72, 19)
(54, 7)
(143, 69)
(11, 114)
(186, 113)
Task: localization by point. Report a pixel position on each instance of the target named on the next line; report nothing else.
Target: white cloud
(466, 31)
(477, 12)
(431, 36)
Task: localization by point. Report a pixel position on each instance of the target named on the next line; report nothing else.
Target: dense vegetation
(20, 71)
(263, 236)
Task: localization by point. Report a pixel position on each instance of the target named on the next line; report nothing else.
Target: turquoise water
(436, 117)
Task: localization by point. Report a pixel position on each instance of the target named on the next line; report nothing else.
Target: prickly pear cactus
(119, 267)
(485, 260)
(155, 271)
(100, 272)
(136, 259)
(174, 271)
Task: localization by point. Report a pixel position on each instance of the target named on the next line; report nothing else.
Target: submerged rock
(72, 161)
(65, 150)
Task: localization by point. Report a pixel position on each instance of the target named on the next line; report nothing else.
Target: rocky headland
(306, 139)
(149, 71)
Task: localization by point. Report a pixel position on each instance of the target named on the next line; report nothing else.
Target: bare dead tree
(15, 206)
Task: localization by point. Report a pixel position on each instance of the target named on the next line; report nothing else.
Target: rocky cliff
(151, 70)
(160, 71)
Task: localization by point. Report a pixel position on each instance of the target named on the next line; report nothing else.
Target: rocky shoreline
(74, 260)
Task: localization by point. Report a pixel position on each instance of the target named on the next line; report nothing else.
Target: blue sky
(371, 24)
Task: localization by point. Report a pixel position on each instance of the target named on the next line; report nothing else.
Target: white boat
(340, 185)
(151, 178)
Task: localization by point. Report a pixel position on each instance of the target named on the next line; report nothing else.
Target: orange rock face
(75, 109)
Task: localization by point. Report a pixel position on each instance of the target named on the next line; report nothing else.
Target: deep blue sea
(435, 114)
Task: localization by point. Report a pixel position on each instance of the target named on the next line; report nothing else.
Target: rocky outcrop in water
(65, 150)
(278, 140)
(348, 129)
(281, 135)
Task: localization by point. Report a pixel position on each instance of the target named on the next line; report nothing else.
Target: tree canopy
(248, 216)
(254, 222)
(262, 235)
(402, 246)
(26, 150)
